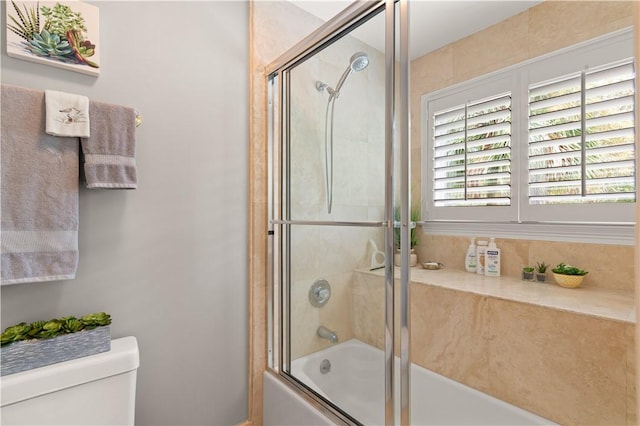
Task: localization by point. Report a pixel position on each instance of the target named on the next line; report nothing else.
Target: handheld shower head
(357, 63)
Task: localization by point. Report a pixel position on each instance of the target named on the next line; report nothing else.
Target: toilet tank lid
(123, 357)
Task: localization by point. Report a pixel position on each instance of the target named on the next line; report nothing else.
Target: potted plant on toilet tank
(25, 346)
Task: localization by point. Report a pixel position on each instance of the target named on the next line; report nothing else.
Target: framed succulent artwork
(63, 34)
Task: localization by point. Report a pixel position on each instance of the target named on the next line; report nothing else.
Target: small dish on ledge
(432, 265)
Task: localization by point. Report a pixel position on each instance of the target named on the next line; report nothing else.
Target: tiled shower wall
(610, 267)
(568, 367)
(275, 27)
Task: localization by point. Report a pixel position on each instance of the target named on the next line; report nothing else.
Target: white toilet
(94, 390)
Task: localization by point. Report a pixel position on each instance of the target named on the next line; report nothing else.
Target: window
(547, 141)
(472, 154)
(581, 138)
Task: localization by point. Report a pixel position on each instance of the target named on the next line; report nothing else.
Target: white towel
(67, 114)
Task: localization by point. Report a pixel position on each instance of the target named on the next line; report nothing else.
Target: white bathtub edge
(282, 406)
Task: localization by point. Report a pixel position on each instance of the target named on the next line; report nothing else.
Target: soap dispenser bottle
(470, 259)
(492, 264)
(481, 254)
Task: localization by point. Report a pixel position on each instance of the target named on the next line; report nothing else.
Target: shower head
(357, 63)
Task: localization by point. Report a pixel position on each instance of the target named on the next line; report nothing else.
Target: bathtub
(355, 383)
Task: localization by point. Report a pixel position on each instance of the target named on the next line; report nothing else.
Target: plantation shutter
(581, 138)
(472, 154)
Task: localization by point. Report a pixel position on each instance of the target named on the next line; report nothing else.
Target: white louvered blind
(472, 154)
(581, 138)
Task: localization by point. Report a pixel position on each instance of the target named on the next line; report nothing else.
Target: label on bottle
(482, 252)
(492, 263)
(471, 262)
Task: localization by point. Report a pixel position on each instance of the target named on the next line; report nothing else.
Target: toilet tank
(94, 390)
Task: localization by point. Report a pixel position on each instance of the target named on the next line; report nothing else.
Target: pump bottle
(481, 254)
(470, 259)
(492, 259)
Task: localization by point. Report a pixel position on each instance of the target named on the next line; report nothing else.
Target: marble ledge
(610, 304)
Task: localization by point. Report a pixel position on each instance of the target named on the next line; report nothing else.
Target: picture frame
(62, 34)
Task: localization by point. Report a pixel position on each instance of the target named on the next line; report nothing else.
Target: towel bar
(138, 119)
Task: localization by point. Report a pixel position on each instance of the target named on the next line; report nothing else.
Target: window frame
(522, 220)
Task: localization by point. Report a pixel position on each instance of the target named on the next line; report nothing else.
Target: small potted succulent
(527, 273)
(541, 272)
(568, 276)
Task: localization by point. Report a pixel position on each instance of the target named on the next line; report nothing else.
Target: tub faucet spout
(325, 333)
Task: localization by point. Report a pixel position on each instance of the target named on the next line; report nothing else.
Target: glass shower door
(335, 198)
(332, 218)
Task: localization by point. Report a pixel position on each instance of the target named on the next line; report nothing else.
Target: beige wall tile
(305, 320)
(496, 47)
(610, 266)
(448, 334)
(565, 367)
(432, 71)
(632, 409)
(336, 315)
(368, 309)
(557, 24)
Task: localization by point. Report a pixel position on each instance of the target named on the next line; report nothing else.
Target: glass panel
(334, 187)
(336, 156)
(337, 316)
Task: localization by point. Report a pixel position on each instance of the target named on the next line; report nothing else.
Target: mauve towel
(39, 190)
(109, 153)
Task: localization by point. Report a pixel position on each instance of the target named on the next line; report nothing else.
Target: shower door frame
(278, 224)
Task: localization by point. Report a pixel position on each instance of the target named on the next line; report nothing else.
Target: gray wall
(168, 261)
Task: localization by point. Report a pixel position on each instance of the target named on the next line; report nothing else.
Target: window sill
(616, 234)
(612, 305)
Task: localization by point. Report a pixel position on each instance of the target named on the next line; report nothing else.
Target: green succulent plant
(53, 328)
(541, 267)
(51, 45)
(36, 328)
(92, 321)
(72, 325)
(568, 270)
(15, 333)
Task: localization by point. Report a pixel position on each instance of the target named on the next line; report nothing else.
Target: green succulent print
(60, 19)
(27, 24)
(46, 44)
(61, 36)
